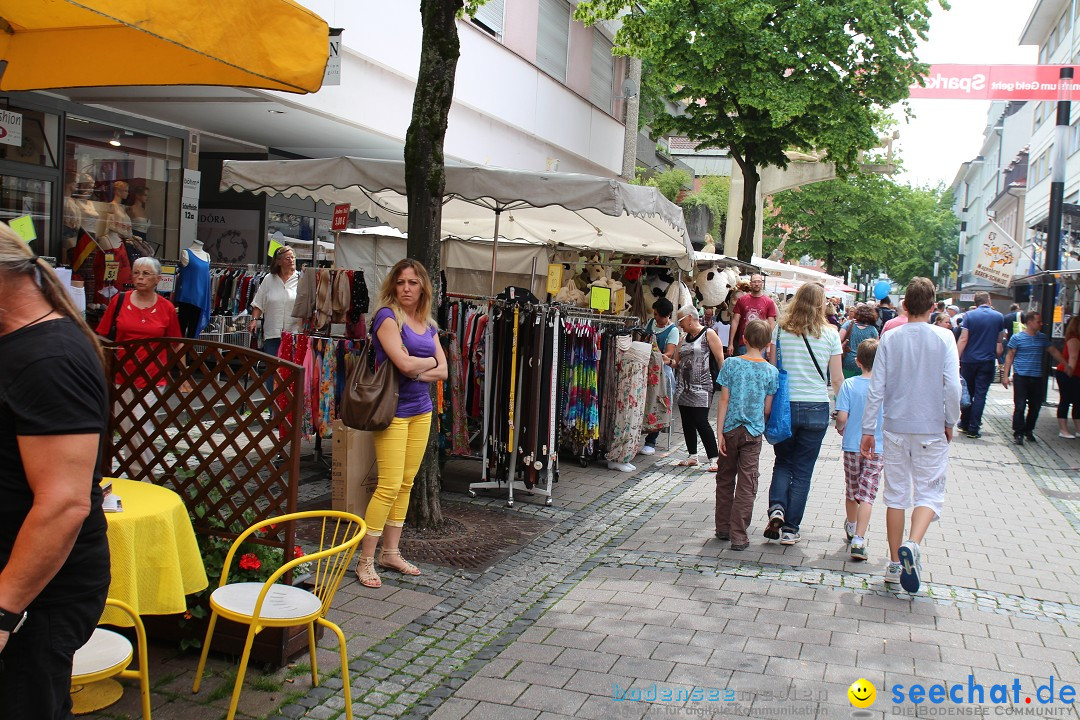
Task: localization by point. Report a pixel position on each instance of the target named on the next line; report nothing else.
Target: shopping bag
(965, 395)
(778, 428)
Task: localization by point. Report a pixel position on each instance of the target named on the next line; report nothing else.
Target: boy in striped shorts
(861, 474)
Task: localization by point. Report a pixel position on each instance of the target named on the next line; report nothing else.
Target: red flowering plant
(253, 561)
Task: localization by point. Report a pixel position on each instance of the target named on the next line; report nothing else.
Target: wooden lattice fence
(212, 432)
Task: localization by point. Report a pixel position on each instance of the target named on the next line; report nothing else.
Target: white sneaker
(858, 548)
(849, 528)
(1066, 435)
(910, 566)
(648, 450)
(892, 572)
(621, 467)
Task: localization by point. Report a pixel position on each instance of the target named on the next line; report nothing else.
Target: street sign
(10, 128)
(341, 217)
(992, 82)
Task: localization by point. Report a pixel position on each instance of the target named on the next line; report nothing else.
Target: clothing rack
(535, 450)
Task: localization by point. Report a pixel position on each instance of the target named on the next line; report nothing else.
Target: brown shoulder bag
(371, 393)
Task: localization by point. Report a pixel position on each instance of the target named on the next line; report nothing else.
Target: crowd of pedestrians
(897, 378)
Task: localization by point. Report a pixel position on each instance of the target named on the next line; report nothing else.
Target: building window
(553, 38)
(1042, 55)
(489, 18)
(1063, 28)
(117, 188)
(602, 80)
(39, 136)
(32, 197)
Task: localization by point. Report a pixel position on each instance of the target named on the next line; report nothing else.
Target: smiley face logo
(862, 693)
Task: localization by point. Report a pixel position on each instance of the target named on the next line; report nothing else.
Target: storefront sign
(997, 257)
(230, 236)
(189, 207)
(993, 82)
(332, 75)
(341, 217)
(10, 128)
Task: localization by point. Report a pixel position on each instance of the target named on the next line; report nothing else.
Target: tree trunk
(425, 180)
(751, 178)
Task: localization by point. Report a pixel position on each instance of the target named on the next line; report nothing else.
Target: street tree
(425, 181)
(763, 76)
(867, 221)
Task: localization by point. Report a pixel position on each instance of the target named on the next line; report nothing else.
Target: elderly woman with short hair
(141, 314)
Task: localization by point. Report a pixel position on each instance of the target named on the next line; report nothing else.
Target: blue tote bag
(778, 428)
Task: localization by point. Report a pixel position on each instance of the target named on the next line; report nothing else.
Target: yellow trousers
(399, 450)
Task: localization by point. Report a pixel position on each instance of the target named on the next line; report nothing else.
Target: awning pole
(495, 249)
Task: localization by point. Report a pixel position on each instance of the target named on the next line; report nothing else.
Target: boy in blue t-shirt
(862, 475)
(748, 383)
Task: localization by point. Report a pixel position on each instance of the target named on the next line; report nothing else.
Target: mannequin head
(140, 196)
(120, 191)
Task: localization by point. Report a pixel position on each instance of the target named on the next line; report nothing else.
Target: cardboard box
(355, 472)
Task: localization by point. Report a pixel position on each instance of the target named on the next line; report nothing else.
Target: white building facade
(534, 90)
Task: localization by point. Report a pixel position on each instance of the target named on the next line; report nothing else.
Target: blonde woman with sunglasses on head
(405, 334)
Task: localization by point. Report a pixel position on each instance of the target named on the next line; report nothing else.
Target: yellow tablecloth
(155, 558)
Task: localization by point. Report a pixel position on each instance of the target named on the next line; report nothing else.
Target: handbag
(371, 392)
(115, 315)
(778, 428)
(965, 396)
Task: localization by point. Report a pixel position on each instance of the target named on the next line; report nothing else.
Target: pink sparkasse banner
(993, 82)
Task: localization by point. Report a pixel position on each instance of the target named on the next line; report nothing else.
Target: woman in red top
(143, 315)
(1068, 379)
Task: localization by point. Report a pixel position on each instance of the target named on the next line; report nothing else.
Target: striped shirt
(1029, 352)
(804, 382)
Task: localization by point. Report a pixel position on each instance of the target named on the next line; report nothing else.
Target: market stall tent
(556, 209)
(375, 250)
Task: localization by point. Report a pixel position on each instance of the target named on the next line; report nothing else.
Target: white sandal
(365, 573)
(405, 568)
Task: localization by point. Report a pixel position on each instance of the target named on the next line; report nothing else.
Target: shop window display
(116, 200)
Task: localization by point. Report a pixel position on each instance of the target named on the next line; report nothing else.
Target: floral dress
(657, 394)
(631, 368)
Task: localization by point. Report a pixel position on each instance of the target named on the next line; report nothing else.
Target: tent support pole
(495, 249)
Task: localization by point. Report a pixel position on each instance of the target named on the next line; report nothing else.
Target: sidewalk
(629, 595)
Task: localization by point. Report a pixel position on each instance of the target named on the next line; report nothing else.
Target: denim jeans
(979, 376)
(795, 459)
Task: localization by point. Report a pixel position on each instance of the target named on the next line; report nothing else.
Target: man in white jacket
(917, 379)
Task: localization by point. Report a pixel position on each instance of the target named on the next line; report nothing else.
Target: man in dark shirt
(979, 347)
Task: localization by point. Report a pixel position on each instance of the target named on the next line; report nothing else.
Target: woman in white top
(810, 353)
(274, 300)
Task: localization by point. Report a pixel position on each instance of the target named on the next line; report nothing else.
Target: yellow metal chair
(108, 654)
(270, 604)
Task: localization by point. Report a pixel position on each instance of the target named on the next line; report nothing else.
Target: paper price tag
(600, 298)
(24, 227)
(620, 299)
(554, 278)
(167, 283)
(112, 269)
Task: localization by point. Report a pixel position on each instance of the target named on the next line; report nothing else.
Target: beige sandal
(365, 573)
(405, 568)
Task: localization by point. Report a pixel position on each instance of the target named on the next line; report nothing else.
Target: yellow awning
(270, 44)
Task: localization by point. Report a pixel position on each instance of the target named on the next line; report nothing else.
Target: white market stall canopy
(466, 262)
(568, 209)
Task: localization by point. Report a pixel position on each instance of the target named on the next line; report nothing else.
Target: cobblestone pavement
(629, 596)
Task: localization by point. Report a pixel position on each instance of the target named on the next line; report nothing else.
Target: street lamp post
(1052, 258)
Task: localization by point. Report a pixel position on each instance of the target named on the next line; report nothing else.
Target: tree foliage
(713, 194)
(868, 221)
(669, 182)
(763, 76)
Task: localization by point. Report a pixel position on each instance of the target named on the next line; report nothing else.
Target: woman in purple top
(404, 332)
